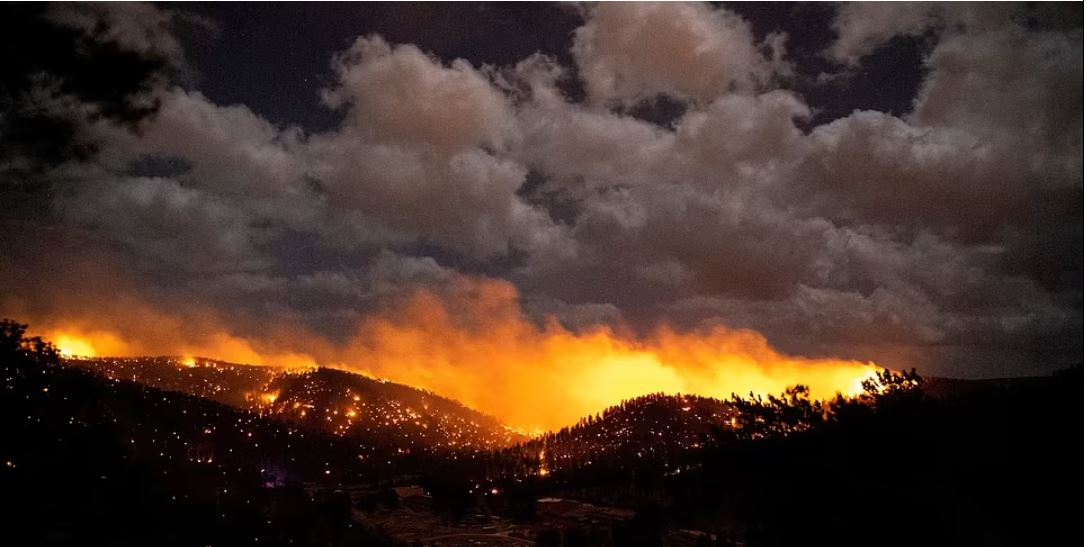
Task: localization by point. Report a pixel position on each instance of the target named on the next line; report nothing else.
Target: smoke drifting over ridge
(472, 341)
(675, 165)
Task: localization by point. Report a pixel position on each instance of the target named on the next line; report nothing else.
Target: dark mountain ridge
(343, 403)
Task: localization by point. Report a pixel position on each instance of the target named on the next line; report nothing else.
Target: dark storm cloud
(698, 172)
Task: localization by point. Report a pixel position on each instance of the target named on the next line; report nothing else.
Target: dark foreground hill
(652, 434)
(90, 461)
(381, 413)
(992, 463)
(396, 415)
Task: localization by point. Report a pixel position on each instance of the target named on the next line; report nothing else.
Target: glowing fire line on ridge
(476, 345)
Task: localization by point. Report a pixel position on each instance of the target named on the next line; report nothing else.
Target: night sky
(898, 183)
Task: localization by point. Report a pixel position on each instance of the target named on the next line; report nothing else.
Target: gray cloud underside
(949, 238)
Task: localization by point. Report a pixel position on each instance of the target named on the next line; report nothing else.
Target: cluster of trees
(794, 411)
(989, 465)
(28, 355)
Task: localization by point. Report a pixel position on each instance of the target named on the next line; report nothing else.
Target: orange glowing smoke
(77, 342)
(472, 342)
(85, 344)
(478, 347)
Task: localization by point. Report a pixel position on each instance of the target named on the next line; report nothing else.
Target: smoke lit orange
(478, 347)
(85, 344)
(473, 342)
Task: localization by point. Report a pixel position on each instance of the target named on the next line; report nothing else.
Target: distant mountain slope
(653, 432)
(402, 416)
(656, 422)
(228, 383)
(948, 387)
(379, 412)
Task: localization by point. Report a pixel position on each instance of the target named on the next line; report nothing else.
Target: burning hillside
(349, 405)
(473, 342)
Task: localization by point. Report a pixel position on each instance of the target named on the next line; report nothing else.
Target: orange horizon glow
(74, 343)
(477, 346)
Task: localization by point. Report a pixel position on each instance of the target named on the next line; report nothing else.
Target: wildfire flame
(475, 344)
(486, 353)
(85, 344)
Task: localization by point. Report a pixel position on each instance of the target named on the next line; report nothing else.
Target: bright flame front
(485, 352)
(476, 345)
